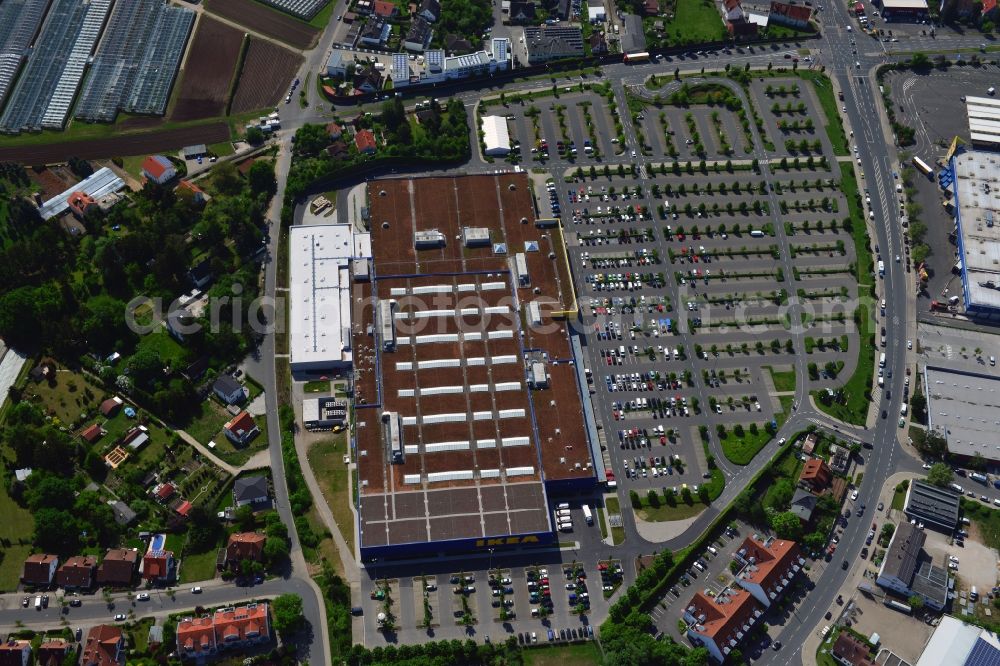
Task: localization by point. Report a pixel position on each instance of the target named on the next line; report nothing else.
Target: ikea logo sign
(506, 541)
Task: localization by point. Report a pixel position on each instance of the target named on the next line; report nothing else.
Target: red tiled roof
(772, 559)
(333, 129)
(724, 615)
(156, 564)
(237, 624)
(118, 566)
(195, 635)
(102, 646)
(851, 650)
(184, 508)
(36, 568)
(165, 492)
(188, 185)
(111, 406)
(78, 201)
(52, 652)
(364, 140)
(92, 433)
(245, 546)
(154, 166)
(815, 472)
(77, 571)
(796, 12)
(384, 8)
(242, 421)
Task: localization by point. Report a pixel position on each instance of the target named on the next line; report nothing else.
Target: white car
(952, 558)
(926, 466)
(142, 596)
(909, 344)
(195, 590)
(120, 617)
(854, 495)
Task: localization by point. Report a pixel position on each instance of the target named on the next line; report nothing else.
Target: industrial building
(973, 178)
(908, 570)
(959, 643)
(984, 121)
(903, 10)
(548, 42)
(461, 438)
(100, 186)
(964, 408)
(320, 266)
(495, 136)
(323, 413)
(433, 66)
(932, 505)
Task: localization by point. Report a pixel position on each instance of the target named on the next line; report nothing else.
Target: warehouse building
(908, 569)
(932, 505)
(495, 136)
(459, 447)
(984, 121)
(973, 178)
(320, 259)
(964, 408)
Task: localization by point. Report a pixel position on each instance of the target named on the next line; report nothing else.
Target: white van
(587, 515)
(698, 566)
(757, 233)
(902, 409)
(713, 550)
(881, 360)
(564, 505)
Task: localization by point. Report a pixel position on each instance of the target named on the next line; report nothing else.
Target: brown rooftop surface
(459, 362)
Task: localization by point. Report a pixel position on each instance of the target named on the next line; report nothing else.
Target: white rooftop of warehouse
(496, 135)
(904, 4)
(101, 183)
(984, 119)
(977, 188)
(953, 642)
(319, 291)
(964, 408)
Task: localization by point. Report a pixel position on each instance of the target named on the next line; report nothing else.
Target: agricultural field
(266, 21)
(208, 71)
(267, 72)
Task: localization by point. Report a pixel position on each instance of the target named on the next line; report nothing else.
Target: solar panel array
(302, 8)
(19, 21)
(137, 62)
(43, 95)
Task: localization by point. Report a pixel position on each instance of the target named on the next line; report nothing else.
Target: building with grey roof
(908, 570)
(964, 408)
(803, 504)
(930, 583)
(633, 39)
(932, 505)
(974, 183)
(547, 42)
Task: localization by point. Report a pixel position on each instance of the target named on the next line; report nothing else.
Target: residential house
(364, 141)
(241, 428)
(815, 475)
(15, 652)
(368, 80)
(196, 638)
(244, 546)
(164, 492)
(418, 37)
(720, 623)
(229, 390)
(124, 515)
(803, 504)
(250, 491)
(158, 169)
(385, 9)
(201, 274)
(239, 627)
(158, 566)
(53, 652)
(430, 10)
(651, 7)
(197, 194)
(335, 64)
(522, 12)
(335, 131)
(110, 407)
(840, 458)
(769, 566)
(598, 45)
(338, 150)
(547, 42)
(39, 569)
(375, 33)
(154, 638)
(105, 646)
(77, 573)
(737, 21)
(790, 14)
(92, 433)
(849, 650)
(809, 444)
(181, 322)
(117, 569)
(81, 203)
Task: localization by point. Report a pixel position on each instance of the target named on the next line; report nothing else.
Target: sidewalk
(205, 451)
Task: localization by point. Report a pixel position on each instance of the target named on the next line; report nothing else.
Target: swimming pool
(158, 542)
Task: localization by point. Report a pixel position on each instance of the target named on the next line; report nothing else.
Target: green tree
(261, 178)
(786, 525)
(939, 475)
(287, 613)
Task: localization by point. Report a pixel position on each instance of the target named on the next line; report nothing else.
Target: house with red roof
(77, 573)
(197, 194)
(196, 637)
(385, 9)
(241, 429)
(364, 141)
(92, 433)
(164, 492)
(244, 546)
(815, 475)
(118, 567)
(15, 652)
(39, 569)
(335, 131)
(105, 646)
(769, 566)
(110, 407)
(158, 169)
(721, 623)
(52, 652)
(226, 629)
(790, 14)
(183, 508)
(157, 566)
(81, 203)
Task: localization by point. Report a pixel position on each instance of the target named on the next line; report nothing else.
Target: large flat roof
(319, 291)
(99, 184)
(954, 641)
(964, 408)
(933, 504)
(477, 441)
(977, 203)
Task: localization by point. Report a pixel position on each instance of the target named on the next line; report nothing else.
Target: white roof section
(319, 291)
(905, 4)
(99, 184)
(977, 192)
(964, 408)
(496, 137)
(984, 119)
(952, 641)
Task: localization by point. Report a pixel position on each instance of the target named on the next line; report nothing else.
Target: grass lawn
(898, 498)
(682, 510)
(741, 450)
(695, 21)
(326, 458)
(317, 386)
(603, 523)
(578, 654)
(857, 390)
(617, 533)
(834, 126)
(169, 350)
(79, 131)
(221, 149)
(68, 397)
(11, 565)
(138, 634)
(199, 566)
(986, 519)
(783, 380)
(208, 424)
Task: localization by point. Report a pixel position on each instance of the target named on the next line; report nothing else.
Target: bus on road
(924, 169)
(641, 56)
